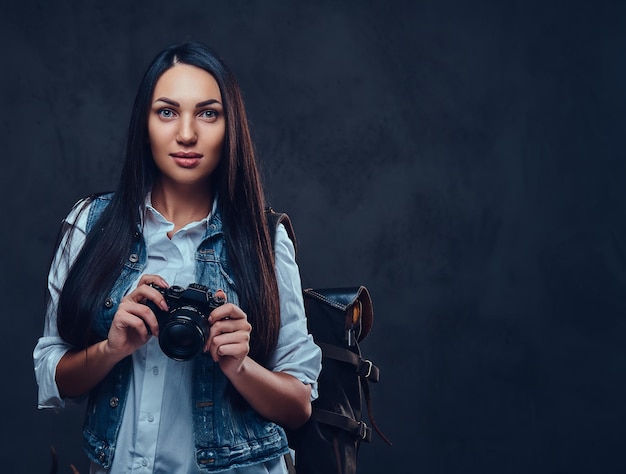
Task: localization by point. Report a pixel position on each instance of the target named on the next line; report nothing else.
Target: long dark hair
(241, 205)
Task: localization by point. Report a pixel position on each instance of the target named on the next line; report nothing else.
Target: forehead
(184, 82)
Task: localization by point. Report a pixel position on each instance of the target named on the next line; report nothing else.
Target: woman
(188, 209)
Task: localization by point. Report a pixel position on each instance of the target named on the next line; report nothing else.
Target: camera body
(184, 329)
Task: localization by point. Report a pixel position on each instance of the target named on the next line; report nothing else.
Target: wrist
(234, 368)
(108, 355)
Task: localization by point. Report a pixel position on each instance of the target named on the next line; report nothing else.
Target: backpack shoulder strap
(273, 219)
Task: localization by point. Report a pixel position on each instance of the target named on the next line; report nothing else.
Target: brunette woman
(189, 209)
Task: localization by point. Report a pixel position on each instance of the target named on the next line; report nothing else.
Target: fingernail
(221, 294)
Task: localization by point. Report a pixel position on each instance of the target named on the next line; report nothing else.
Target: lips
(186, 154)
(186, 159)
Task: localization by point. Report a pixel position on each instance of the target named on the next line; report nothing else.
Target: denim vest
(225, 435)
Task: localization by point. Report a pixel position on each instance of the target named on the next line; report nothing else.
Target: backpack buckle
(369, 368)
(362, 430)
(365, 432)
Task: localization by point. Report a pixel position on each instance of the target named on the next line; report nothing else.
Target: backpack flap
(356, 305)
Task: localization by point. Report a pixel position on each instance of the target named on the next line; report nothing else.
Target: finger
(144, 293)
(220, 294)
(126, 334)
(135, 323)
(220, 344)
(238, 337)
(143, 313)
(149, 279)
(225, 326)
(226, 311)
(236, 349)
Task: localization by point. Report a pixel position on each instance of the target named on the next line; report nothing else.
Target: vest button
(134, 258)
(108, 303)
(114, 402)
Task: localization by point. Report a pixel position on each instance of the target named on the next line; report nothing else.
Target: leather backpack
(338, 319)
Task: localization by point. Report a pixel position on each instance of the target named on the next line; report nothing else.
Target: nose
(187, 134)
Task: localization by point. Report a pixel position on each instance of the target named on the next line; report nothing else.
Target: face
(186, 125)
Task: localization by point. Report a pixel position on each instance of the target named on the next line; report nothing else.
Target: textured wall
(464, 160)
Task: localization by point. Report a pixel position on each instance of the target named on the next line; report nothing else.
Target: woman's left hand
(277, 396)
(229, 337)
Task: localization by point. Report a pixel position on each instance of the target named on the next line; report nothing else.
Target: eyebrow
(173, 103)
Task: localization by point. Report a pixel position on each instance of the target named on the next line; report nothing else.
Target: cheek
(220, 139)
(219, 145)
(156, 137)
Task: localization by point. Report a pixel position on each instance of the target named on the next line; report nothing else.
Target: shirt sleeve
(296, 353)
(51, 347)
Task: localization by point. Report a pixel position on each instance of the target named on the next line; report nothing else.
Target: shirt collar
(148, 207)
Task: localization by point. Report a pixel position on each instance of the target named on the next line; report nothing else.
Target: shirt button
(155, 370)
(144, 462)
(150, 418)
(134, 258)
(114, 402)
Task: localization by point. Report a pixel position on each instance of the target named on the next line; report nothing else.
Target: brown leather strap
(357, 428)
(364, 367)
(370, 412)
(273, 219)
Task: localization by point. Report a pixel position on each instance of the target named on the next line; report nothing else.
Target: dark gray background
(463, 160)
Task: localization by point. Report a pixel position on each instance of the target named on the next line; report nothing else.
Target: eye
(165, 113)
(209, 114)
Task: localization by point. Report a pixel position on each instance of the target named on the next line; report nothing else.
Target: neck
(181, 204)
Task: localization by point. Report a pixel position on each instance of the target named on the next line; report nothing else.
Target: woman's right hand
(79, 371)
(134, 322)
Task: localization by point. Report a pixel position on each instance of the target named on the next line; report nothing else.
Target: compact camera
(184, 329)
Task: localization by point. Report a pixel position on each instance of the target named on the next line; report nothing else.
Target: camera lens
(183, 335)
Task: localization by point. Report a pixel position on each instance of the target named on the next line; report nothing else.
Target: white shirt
(156, 432)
